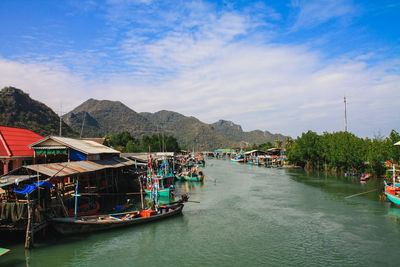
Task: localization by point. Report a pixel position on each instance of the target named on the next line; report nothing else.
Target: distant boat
(85, 224)
(365, 177)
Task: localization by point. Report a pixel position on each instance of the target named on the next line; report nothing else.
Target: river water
(249, 216)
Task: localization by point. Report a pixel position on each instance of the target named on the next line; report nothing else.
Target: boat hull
(390, 196)
(193, 179)
(69, 226)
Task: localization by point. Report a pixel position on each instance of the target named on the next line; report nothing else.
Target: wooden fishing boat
(85, 224)
(365, 177)
(194, 178)
(3, 251)
(165, 185)
(392, 193)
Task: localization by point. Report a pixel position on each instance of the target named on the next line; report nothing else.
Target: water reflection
(337, 184)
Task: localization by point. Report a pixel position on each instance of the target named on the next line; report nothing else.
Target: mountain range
(103, 117)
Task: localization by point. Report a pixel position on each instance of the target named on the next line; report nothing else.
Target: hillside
(235, 133)
(189, 131)
(102, 117)
(19, 110)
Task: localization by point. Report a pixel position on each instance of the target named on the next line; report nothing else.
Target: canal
(249, 216)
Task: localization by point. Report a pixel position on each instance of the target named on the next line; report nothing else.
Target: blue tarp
(76, 155)
(164, 164)
(29, 188)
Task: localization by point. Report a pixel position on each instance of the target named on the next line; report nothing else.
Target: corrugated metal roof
(14, 179)
(80, 167)
(85, 146)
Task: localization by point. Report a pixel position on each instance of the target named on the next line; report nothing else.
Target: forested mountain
(111, 117)
(19, 110)
(235, 133)
(102, 117)
(189, 131)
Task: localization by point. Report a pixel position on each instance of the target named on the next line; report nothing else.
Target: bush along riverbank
(344, 152)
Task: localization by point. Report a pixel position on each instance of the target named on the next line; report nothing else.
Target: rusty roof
(80, 167)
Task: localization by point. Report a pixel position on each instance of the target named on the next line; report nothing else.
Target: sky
(279, 65)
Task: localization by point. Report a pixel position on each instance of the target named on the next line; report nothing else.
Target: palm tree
(278, 143)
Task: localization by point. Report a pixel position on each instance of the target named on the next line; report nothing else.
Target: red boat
(365, 177)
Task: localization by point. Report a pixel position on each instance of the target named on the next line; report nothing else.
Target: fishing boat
(239, 159)
(193, 175)
(159, 182)
(3, 251)
(163, 185)
(85, 224)
(392, 191)
(194, 178)
(365, 177)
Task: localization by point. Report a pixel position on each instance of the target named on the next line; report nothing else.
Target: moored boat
(392, 193)
(3, 251)
(85, 224)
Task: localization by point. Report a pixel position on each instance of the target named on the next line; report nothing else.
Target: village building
(14, 147)
(54, 149)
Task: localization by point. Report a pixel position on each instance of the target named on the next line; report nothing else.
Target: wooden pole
(361, 193)
(29, 236)
(141, 192)
(62, 203)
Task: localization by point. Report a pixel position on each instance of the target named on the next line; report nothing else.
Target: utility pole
(345, 115)
(83, 123)
(60, 119)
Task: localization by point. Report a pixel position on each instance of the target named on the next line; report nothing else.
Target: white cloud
(312, 13)
(209, 65)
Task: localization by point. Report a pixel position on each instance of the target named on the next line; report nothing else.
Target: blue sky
(282, 66)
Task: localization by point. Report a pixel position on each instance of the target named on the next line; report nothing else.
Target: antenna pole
(345, 115)
(83, 122)
(60, 120)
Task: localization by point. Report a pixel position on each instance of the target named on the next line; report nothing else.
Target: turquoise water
(251, 216)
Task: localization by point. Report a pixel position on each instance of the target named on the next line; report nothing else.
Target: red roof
(14, 141)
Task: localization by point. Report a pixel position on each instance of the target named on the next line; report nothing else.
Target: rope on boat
(361, 193)
(215, 180)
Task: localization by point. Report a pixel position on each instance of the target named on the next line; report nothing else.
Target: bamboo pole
(29, 236)
(141, 192)
(361, 193)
